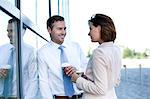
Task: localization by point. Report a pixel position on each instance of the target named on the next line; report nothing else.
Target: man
(50, 66)
(29, 68)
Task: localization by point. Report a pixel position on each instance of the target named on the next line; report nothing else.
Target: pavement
(135, 84)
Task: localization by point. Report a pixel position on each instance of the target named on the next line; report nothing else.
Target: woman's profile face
(95, 33)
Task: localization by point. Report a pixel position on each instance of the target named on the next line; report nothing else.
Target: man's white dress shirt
(5, 51)
(50, 69)
(29, 71)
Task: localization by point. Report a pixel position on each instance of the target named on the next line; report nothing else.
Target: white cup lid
(65, 64)
(5, 66)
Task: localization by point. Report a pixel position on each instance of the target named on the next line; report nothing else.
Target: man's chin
(61, 40)
(12, 43)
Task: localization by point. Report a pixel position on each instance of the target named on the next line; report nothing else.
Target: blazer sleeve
(98, 66)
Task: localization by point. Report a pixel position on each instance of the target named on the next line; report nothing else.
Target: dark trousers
(2, 97)
(66, 97)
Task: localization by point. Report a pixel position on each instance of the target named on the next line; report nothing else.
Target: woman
(103, 70)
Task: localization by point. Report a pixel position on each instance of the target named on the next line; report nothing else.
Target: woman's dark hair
(53, 19)
(108, 31)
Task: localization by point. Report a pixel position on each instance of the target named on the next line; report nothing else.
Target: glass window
(29, 9)
(8, 63)
(42, 16)
(3, 28)
(29, 64)
(38, 12)
(54, 7)
(32, 39)
(31, 43)
(12, 1)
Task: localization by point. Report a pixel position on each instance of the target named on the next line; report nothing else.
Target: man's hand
(3, 73)
(71, 71)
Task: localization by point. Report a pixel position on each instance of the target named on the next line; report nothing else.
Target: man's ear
(49, 30)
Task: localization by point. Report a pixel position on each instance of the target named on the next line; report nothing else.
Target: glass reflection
(28, 8)
(31, 43)
(33, 40)
(8, 85)
(29, 67)
(12, 1)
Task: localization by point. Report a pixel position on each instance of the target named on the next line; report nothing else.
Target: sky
(131, 18)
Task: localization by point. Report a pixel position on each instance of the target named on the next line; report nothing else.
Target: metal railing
(136, 75)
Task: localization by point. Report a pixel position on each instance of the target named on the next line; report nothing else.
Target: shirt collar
(57, 45)
(10, 46)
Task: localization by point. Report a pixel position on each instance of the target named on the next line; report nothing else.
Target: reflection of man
(29, 68)
(6, 68)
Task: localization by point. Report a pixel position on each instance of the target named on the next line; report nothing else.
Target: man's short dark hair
(11, 20)
(53, 19)
(14, 20)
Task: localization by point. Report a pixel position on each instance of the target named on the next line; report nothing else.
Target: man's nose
(9, 34)
(63, 31)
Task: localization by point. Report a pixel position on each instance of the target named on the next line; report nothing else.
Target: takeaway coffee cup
(64, 65)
